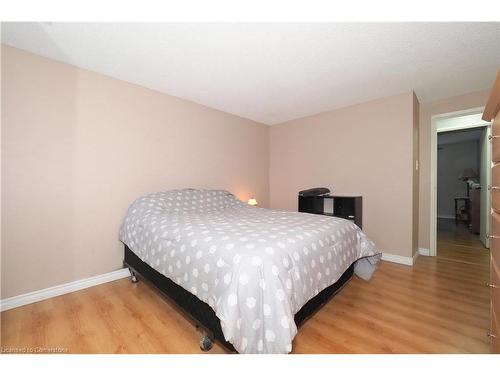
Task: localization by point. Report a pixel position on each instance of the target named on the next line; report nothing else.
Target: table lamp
(252, 202)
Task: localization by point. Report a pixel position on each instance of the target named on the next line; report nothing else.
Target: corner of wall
(268, 131)
(416, 172)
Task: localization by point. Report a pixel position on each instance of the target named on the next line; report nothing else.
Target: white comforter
(255, 267)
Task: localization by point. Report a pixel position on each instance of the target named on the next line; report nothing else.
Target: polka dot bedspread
(255, 267)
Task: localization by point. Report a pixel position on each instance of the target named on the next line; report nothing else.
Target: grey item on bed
(255, 267)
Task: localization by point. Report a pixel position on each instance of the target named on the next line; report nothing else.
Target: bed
(249, 276)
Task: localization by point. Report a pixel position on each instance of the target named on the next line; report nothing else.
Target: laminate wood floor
(457, 243)
(437, 306)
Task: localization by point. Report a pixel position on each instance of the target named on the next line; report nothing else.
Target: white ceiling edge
(274, 73)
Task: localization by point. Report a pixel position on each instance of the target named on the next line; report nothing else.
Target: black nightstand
(350, 208)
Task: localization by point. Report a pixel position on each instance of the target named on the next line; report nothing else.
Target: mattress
(253, 266)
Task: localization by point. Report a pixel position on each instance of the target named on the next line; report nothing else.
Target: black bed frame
(202, 314)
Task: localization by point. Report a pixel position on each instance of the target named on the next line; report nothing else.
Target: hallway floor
(457, 243)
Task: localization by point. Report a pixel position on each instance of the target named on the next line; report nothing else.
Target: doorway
(460, 176)
(461, 156)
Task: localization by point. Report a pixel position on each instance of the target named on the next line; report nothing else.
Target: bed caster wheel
(133, 277)
(205, 343)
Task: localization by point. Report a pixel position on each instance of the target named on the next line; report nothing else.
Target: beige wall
(364, 149)
(427, 110)
(79, 147)
(1, 174)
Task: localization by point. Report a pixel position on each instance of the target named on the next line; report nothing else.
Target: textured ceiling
(272, 73)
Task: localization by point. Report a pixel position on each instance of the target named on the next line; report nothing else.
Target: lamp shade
(252, 202)
(467, 174)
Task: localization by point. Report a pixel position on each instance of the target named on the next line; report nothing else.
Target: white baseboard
(446, 217)
(407, 261)
(424, 252)
(39, 295)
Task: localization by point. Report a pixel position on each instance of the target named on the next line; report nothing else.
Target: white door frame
(433, 180)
